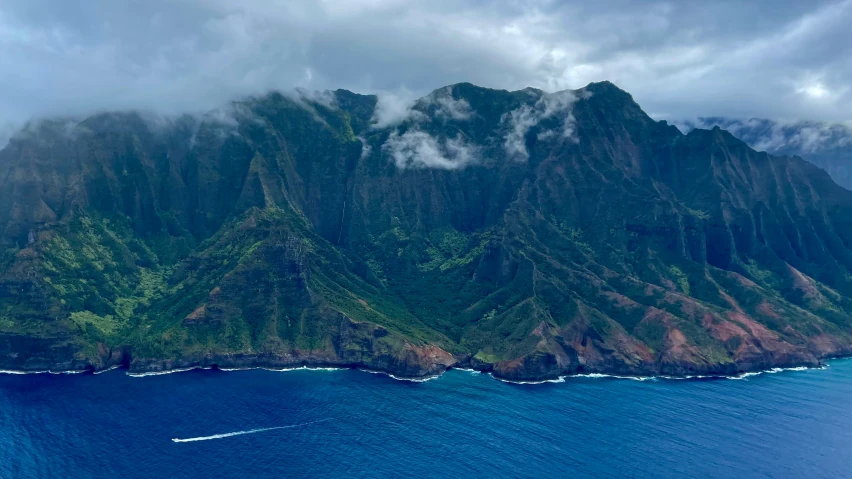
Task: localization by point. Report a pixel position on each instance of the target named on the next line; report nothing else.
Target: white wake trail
(250, 431)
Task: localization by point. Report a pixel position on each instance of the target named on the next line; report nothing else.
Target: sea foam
(410, 380)
(613, 376)
(560, 379)
(112, 368)
(10, 371)
(161, 373)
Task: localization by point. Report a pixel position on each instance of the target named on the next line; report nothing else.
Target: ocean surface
(264, 424)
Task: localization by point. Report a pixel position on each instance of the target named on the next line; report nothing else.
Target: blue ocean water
(463, 424)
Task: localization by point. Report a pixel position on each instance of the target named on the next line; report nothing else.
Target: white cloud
(324, 98)
(687, 59)
(520, 120)
(395, 107)
(780, 136)
(804, 137)
(418, 149)
(392, 108)
(447, 106)
(455, 109)
(6, 132)
(223, 121)
(814, 90)
(66, 128)
(366, 148)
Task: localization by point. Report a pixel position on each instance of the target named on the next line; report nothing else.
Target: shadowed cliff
(524, 233)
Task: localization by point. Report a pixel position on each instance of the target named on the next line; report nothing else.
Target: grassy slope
(547, 270)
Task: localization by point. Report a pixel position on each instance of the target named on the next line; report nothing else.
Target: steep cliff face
(826, 145)
(524, 233)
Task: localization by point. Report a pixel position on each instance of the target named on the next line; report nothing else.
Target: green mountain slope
(523, 233)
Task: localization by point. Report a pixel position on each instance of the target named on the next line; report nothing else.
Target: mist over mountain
(526, 233)
(827, 145)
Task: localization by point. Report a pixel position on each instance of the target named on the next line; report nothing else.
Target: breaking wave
(112, 368)
(11, 371)
(283, 370)
(183, 370)
(161, 373)
(560, 379)
(410, 380)
(613, 376)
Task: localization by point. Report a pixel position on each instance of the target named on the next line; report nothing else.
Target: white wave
(413, 380)
(560, 379)
(11, 371)
(800, 368)
(250, 431)
(775, 371)
(330, 368)
(302, 368)
(741, 376)
(283, 370)
(745, 375)
(418, 380)
(410, 380)
(160, 373)
(654, 378)
(111, 368)
(613, 376)
(697, 376)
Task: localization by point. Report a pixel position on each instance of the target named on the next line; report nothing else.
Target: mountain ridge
(827, 145)
(525, 233)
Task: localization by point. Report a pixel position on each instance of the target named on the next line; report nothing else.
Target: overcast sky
(789, 59)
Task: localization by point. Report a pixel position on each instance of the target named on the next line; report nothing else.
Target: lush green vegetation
(289, 230)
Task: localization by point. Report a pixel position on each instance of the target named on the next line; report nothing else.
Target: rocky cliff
(827, 145)
(525, 233)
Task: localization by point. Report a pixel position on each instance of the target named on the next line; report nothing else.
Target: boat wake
(250, 431)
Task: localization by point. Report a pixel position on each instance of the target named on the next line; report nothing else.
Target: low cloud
(418, 149)
(677, 59)
(805, 138)
(227, 117)
(324, 98)
(45, 131)
(366, 148)
(6, 132)
(446, 106)
(781, 137)
(396, 107)
(522, 119)
(393, 108)
(224, 121)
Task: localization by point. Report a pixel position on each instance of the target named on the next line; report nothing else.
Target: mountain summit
(827, 145)
(526, 233)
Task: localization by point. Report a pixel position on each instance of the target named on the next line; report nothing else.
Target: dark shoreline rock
(246, 362)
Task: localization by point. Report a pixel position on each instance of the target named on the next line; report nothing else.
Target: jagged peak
(342, 93)
(609, 91)
(604, 85)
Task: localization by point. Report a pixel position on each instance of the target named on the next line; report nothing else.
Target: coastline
(560, 379)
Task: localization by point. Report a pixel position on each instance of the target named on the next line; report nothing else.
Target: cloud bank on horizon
(765, 58)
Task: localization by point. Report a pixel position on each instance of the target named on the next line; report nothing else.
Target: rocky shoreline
(361, 346)
(153, 368)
